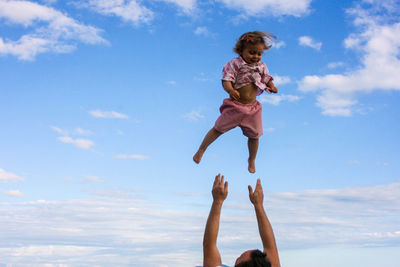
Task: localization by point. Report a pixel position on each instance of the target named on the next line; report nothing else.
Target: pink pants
(246, 116)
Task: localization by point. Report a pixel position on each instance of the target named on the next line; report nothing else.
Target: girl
(244, 78)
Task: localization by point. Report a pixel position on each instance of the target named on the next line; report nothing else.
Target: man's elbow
(206, 243)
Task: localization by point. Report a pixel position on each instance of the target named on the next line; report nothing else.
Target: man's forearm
(211, 256)
(212, 226)
(267, 235)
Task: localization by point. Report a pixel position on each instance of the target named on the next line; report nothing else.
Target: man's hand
(256, 197)
(220, 189)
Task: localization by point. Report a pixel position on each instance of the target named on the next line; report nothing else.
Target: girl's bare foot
(252, 166)
(197, 157)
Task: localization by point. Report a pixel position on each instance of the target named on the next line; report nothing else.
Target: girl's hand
(272, 87)
(234, 94)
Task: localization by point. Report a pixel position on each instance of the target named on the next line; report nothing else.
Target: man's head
(252, 258)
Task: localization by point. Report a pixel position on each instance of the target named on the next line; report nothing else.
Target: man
(211, 256)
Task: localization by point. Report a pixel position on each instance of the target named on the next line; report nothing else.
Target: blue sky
(103, 104)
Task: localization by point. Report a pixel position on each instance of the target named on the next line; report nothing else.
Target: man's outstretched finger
(226, 186)
(258, 185)
(216, 180)
(250, 190)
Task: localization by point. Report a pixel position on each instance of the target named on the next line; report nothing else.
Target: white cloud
(77, 131)
(108, 114)
(201, 77)
(194, 115)
(26, 12)
(295, 8)
(380, 163)
(354, 162)
(379, 45)
(81, 131)
(280, 80)
(202, 31)
(80, 143)
(133, 11)
(9, 177)
(276, 99)
(316, 218)
(279, 44)
(187, 6)
(59, 34)
(130, 11)
(308, 41)
(132, 156)
(171, 82)
(117, 228)
(334, 65)
(91, 179)
(59, 130)
(14, 193)
(107, 231)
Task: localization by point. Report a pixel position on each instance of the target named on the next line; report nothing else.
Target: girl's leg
(252, 143)
(210, 137)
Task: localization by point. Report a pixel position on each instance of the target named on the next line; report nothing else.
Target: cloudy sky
(103, 104)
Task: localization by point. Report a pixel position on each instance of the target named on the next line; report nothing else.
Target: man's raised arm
(211, 256)
(264, 226)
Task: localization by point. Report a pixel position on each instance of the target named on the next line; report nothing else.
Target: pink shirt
(240, 74)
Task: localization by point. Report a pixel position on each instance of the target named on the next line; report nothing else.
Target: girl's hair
(255, 37)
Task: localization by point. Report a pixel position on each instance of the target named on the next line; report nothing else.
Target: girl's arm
(272, 87)
(270, 84)
(228, 87)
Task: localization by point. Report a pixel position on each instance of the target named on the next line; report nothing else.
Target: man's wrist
(258, 205)
(218, 202)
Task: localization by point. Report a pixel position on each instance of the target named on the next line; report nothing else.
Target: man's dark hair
(258, 259)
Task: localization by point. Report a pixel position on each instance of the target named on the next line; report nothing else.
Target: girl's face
(252, 53)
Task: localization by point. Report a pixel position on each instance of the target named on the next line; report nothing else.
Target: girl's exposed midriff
(248, 93)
